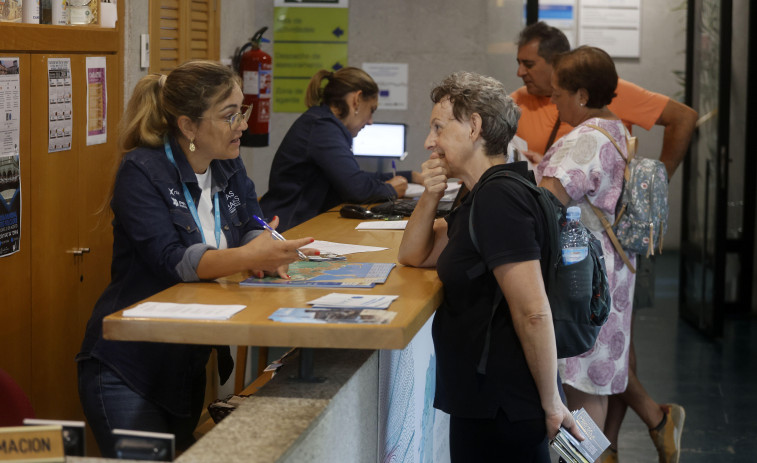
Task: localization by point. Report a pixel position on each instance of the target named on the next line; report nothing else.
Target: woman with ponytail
(183, 211)
(314, 169)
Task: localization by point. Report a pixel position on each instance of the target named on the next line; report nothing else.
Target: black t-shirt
(509, 227)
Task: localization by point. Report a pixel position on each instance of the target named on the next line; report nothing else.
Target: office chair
(14, 403)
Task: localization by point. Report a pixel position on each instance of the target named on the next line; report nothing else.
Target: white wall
(437, 37)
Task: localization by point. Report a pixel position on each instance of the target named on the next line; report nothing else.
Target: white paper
(453, 187)
(391, 79)
(185, 311)
(353, 301)
(382, 225)
(97, 101)
(414, 190)
(341, 248)
(60, 110)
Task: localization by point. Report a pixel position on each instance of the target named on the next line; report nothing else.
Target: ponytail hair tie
(162, 80)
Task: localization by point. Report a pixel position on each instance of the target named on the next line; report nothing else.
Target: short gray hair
(470, 93)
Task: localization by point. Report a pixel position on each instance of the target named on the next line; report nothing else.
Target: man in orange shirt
(540, 128)
(537, 45)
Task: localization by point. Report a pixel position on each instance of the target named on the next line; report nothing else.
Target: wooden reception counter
(419, 293)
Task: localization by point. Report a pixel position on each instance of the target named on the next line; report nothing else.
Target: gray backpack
(641, 217)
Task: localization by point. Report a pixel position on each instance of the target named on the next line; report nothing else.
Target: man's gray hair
(471, 93)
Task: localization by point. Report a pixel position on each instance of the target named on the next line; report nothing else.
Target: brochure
(585, 451)
(353, 301)
(338, 274)
(323, 315)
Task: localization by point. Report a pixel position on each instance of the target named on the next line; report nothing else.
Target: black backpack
(579, 312)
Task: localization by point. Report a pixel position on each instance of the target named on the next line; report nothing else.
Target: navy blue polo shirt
(314, 170)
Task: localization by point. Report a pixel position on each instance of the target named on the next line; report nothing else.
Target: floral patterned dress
(587, 163)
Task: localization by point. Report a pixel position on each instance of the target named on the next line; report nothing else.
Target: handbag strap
(552, 135)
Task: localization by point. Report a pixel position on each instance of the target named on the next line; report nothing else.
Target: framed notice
(97, 101)
(307, 37)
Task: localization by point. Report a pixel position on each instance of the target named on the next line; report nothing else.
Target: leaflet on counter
(323, 315)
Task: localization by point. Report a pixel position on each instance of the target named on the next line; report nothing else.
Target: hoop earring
(192, 147)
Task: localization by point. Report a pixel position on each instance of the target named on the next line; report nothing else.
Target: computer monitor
(381, 140)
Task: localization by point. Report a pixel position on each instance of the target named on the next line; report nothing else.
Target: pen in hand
(394, 169)
(276, 235)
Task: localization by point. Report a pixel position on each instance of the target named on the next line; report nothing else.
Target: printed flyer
(10, 173)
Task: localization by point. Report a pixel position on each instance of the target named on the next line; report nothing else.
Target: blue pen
(394, 169)
(276, 235)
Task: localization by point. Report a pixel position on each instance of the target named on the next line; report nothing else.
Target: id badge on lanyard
(191, 202)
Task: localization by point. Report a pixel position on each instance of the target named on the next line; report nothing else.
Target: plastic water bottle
(574, 241)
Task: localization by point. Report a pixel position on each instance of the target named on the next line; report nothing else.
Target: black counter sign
(32, 443)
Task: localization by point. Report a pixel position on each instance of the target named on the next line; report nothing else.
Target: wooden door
(55, 267)
(15, 283)
(97, 170)
(68, 189)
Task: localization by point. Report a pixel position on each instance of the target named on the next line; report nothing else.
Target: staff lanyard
(191, 202)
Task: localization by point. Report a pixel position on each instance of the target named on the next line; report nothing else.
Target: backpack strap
(498, 296)
(610, 233)
(606, 223)
(630, 142)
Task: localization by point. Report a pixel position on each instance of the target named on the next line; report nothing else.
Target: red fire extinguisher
(256, 69)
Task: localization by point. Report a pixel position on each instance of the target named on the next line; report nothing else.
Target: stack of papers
(353, 301)
(188, 311)
(320, 315)
(585, 451)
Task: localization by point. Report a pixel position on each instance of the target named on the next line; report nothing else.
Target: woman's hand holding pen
(399, 183)
(272, 257)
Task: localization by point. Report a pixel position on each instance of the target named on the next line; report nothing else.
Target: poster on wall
(60, 125)
(613, 25)
(10, 172)
(307, 36)
(97, 101)
(391, 79)
(560, 14)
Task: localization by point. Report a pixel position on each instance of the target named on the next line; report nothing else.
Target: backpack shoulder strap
(499, 174)
(627, 175)
(630, 143)
(498, 296)
(611, 234)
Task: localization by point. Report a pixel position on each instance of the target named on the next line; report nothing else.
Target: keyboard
(405, 207)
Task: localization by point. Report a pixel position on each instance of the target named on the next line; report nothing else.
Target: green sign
(305, 40)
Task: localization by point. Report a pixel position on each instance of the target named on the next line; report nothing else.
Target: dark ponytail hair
(340, 83)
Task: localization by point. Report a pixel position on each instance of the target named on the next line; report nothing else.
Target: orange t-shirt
(633, 105)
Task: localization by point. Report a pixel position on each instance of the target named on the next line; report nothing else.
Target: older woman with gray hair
(504, 407)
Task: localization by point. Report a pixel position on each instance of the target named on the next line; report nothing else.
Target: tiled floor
(715, 380)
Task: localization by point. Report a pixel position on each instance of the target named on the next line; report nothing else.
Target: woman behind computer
(314, 169)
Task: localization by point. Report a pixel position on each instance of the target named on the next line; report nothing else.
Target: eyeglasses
(236, 119)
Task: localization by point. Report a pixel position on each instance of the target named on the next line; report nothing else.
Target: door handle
(78, 251)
